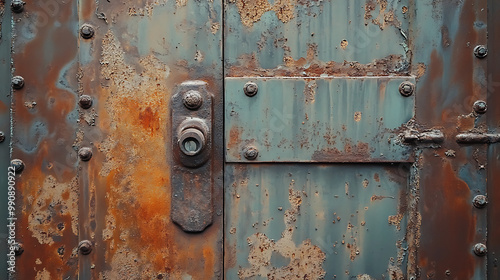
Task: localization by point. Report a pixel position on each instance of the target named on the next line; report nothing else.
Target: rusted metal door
(250, 139)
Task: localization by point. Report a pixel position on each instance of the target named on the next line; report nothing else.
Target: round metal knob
(480, 249)
(406, 88)
(191, 141)
(85, 247)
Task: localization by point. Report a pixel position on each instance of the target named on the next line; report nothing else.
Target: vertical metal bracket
(192, 156)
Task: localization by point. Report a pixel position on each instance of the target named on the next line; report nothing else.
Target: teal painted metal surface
(5, 98)
(307, 221)
(318, 120)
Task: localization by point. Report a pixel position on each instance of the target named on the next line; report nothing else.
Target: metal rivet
(447, 272)
(406, 88)
(251, 152)
(250, 89)
(480, 107)
(85, 247)
(87, 31)
(192, 99)
(480, 249)
(480, 51)
(17, 82)
(480, 201)
(85, 153)
(2, 136)
(17, 6)
(18, 165)
(18, 248)
(85, 101)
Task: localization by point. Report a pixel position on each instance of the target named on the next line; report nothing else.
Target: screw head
(480, 249)
(18, 165)
(18, 248)
(406, 89)
(251, 89)
(480, 51)
(87, 31)
(480, 107)
(17, 82)
(85, 153)
(480, 201)
(85, 101)
(85, 247)
(192, 99)
(251, 152)
(17, 6)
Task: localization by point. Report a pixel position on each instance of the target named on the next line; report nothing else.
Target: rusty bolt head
(17, 6)
(251, 89)
(17, 82)
(85, 153)
(192, 100)
(480, 51)
(85, 101)
(480, 249)
(406, 88)
(85, 247)
(18, 165)
(2, 136)
(87, 31)
(480, 201)
(18, 248)
(480, 107)
(251, 152)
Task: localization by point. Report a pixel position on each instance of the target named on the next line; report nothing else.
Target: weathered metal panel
(452, 78)
(140, 53)
(318, 120)
(309, 221)
(5, 99)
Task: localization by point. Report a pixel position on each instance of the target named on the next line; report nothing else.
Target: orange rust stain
(376, 177)
(208, 255)
(150, 120)
(234, 137)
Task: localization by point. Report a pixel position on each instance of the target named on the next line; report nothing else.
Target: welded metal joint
(478, 138)
(87, 31)
(17, 82)
(85, 153)
(250, 89)
(18, 165)
(192, 156)
(480, 51)
(480, 201)
(251, 152)
(85, 101)
(480, 107)
(17, 6)
(480, 249)
(430, 136)
(406, 89)
(85, 247)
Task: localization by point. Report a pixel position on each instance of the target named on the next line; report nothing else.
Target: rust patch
(310, 91)
(357, 116)
(252, 10)
(385, 16)
(284, 9)
(306, 260)
(396, 220)
(354, 153)
(344, 44)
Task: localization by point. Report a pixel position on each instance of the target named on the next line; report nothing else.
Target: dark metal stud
(87, 31)
(406, 89)
(17, 6)
(251, 89)
(480, 201)
(85, 247)
(85, 153)
(480, 249)
(18, 165)
(17, 82)
(85, 101)
(192, 100)
(480, 51)
(2, 136)
(18, 248)
(480, 107)
(251, 152)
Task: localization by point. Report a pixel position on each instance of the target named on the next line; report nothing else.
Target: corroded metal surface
(318, 120)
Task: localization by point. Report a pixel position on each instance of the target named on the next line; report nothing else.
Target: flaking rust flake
(306, 260)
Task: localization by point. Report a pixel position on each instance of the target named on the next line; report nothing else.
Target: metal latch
(430, 136)
(191, 174)
(477, 138)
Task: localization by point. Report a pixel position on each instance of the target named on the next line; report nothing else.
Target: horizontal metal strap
(476, 138)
